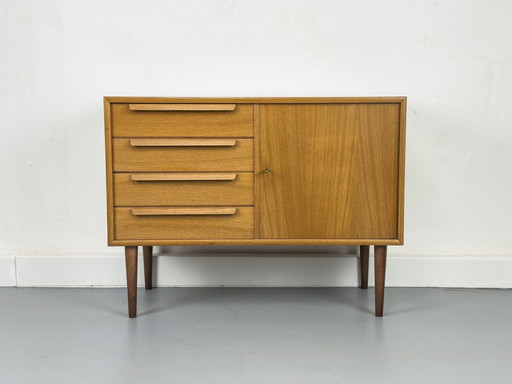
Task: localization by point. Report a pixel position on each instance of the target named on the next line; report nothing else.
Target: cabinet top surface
(258, 100)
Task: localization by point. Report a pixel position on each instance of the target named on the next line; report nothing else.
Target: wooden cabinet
(188, 171)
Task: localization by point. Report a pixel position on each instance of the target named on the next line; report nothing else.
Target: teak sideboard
(218, 171)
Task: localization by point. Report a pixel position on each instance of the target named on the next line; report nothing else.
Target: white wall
(453, 59)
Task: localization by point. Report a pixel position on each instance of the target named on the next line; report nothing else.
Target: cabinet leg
(364, 265)
(380, 278)
(148, 266)
(130, 254)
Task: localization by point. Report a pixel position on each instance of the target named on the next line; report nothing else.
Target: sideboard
(219, 171)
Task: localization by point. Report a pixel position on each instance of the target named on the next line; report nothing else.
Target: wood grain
(334, 171)
(115, 101)
(130, 254)
(194, 176)
(364, 264)
(109, 166)
(148, 266)
(156, 228)
(380, 255)
(207, 189)
(128, 123)
(401, 172)
(183, 211)
(186, 159)
(253, 241)
(259, 100)
(256, 155)
(182, 142)
(182, 107)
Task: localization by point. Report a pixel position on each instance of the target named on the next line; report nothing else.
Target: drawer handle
(183, 107)
(182, 142)
(183, 211)
(183, 176)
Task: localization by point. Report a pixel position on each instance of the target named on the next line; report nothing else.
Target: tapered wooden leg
(364, 260)
(130, 254)
(380, 278)
(148, 266)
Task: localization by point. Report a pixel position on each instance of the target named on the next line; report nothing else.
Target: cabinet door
(332, 171)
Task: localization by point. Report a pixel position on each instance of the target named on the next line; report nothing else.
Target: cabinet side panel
(333, 171)
(401, 171)
(108, 162)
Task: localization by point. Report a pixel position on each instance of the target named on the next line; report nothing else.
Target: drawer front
(183, 189)
(184, 223)
(161, 155)
(168, 120)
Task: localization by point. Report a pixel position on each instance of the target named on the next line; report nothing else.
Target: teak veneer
(219, 171)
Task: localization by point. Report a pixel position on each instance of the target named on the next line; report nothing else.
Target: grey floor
(255, 335)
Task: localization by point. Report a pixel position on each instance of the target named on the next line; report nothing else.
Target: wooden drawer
(213, 188)
(182, 120)
(167, 223)
(167, 155)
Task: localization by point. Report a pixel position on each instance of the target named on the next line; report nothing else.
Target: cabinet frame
(255, 101)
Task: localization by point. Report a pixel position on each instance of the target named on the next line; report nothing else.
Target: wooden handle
(183, 211)
(182, 142)
(182, 176)
(182, 107)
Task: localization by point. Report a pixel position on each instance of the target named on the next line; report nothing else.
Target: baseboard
(255, 271)
(7, 271)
